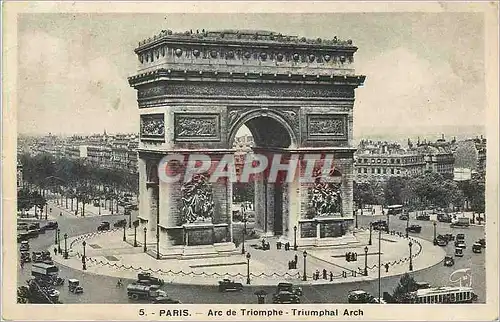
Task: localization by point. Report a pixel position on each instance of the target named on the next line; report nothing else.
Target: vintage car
(289, 287)
(459, 252)
(74, 286)
(482, 241)
(414, 229)
(363, 297)
(404, 217)
(477, 248)
(441, 241)
(25, 246)
(444, 218)
(285, 297)
(449, 261)
(25, 257)
(228, 285)
(22, 226)
(105, 225)
(22, 237)
(423, 217)
(120, 223)
(164, 300)
(146, 278)
(379, 225)
(51, 225)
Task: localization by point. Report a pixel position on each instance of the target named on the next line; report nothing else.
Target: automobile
(442, 217)
(422, 285)
(22, 226)
(105, 225)
(448, 237)
(289, 287)
(477, 248)
(379, 225)
(74, 286)
(120, 223)
(362, 297)
(441, 242)
(165, 300)
(404, 217)
(459, 252)
(33, 233)
(228, 285)
(34, 226)
(25, 246)
(423, 217)
(482, 241)
(460, 237)
(460, 244)
(22, 237)
(51, 225)
(285, 297)
(449, 261)
(57, 281)
(37, 257)
(414, 229)
(460, 222)
(142, 277)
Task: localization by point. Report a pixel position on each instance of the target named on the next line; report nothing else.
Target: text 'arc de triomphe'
(296, 96)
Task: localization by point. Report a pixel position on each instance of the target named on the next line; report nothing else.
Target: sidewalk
(90, 210)
(108, 254)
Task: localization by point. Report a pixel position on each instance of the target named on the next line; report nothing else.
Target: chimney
(442, 136)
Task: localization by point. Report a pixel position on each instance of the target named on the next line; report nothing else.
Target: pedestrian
(324, 274)
(55, 250)
(331, 276)
(387, 267)
(317, 274)
(296, 258)
(22, 264)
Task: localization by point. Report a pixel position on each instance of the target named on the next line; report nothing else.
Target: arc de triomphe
(296, 96)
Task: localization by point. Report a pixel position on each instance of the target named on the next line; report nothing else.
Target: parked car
(441, 242)
(34, 226)
(449, 261)
(22, 237)
(120, 223)
(145, 276)
(414, 229)
(285, 297)
(459, 252)
(105, 225)
(404, 217)
(22, 226)
(477, 248)
(51, 225)
(289, 287)
(482, 241)
(25, 246)
(229, 285)
(441, 217)
(423, 217)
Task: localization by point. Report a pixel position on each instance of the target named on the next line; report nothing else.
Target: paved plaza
(108, 254)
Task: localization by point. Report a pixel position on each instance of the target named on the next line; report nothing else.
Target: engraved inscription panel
(152, 126)
(326, 127)
(197, 127)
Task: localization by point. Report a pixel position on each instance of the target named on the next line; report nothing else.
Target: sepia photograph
(227, 161)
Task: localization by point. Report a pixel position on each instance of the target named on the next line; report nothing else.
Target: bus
(445, 295)
(44, 270)
(395, 210)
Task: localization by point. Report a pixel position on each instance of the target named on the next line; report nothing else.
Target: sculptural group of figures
(197, 200)
(326, 199)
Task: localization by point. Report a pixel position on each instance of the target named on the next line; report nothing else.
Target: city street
(102, 289)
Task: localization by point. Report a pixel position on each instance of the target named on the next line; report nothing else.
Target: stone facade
(295, 95)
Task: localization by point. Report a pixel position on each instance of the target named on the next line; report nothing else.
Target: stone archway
(195, 90)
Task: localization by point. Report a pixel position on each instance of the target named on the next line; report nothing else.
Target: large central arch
(295, 95)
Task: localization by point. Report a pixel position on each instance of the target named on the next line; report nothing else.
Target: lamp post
(411, 262)
(65, 246)
(248, 268)
(157, 241)
(294, 237)
(366, 260)
(379, 253)
(84, 264)
(59, 241)
(387, 222)
(244, 228)
(355, 213)
(370, 240)
(435, 240)
(135, 234)
(129, 218)
(304, 278)
(46, 207)
(55, 233)
(145, 232)
(407, 224)
(124, 231)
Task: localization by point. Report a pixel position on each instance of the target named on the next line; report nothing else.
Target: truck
(144, 292)
(44, 270)
(460, 222)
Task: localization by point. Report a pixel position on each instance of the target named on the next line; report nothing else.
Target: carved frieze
(197, 200)
(152, 91)
(321, 126)
(197, 127)
(152, 126)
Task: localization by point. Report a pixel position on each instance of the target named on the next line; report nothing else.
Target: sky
(425, 71)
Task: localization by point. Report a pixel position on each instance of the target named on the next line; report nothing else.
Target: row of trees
(422, 192)
(27, 199)
(76, 179)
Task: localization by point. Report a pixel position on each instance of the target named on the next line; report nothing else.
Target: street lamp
(387, 221)
(129, 218)
(435, 240)
(135, 234)
(55, 233)
(411, 262)
(46, 208)
(366, 260)
(370, 240)
(157, 241)
(84, 264)
(59, 241)
(248, 268)
(304, 278)
(294, 237)
(65, 246)
(244, 228)
(407, 224)
(379, 254)
(124, 229)
(145, 231)
(355, 213)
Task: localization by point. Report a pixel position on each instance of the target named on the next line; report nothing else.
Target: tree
(403, 292)
(394, 190)
(24, 200)
(38, 200)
